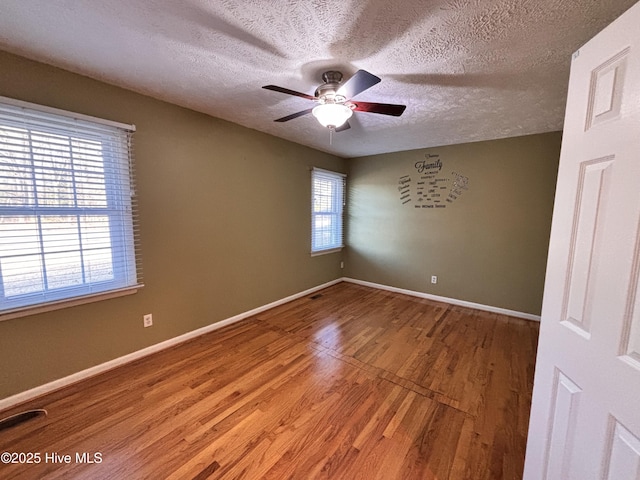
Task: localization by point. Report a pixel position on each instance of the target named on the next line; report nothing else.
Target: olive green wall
(488, 246)
(224, 217)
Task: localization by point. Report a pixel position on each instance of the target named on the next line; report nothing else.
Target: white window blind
(68, 225)
(327, 202)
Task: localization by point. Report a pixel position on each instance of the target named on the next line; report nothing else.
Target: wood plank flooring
(355, 384)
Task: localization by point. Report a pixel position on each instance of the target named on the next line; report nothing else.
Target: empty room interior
(229, 288)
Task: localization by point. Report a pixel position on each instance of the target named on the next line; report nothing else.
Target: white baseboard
(116, 362)
(453, 301)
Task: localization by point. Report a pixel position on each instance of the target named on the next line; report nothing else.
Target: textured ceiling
(468, 70)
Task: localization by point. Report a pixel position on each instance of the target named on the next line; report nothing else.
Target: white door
(585, 416)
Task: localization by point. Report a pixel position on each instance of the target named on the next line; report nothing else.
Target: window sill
(325, 252)
(69, 302)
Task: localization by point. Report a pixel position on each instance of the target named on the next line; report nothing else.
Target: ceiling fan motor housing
(326, 93)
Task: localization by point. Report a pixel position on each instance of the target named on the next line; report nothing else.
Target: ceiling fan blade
(293, 115)
(360, 81)
(275, 88)
(343, 127)
(383, 108)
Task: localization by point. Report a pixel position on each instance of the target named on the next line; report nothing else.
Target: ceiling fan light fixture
(332, 114)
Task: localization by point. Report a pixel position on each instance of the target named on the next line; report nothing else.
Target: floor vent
(316, 296)
(21, 417)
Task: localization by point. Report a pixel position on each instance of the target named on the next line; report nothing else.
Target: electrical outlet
(147, 320)
(434, 279)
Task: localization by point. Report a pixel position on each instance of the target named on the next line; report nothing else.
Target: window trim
(66, 113)
(336, 175)
(67, 302)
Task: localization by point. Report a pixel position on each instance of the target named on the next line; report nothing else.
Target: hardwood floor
(355, 384)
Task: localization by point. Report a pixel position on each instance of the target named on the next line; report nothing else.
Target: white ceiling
(468, 70)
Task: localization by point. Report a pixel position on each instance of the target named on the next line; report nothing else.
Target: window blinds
(68, 223)
(327, 202)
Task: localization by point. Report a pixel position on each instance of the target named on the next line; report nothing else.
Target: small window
(67, 216)
(327, 202)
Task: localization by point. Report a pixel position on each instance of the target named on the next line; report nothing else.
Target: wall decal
(405, 189)
(431, 162)
(428, 187)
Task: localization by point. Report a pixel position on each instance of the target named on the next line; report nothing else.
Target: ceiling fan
(335, 100)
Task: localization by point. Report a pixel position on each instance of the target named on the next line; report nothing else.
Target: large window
(327, 201)
(66, 206)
